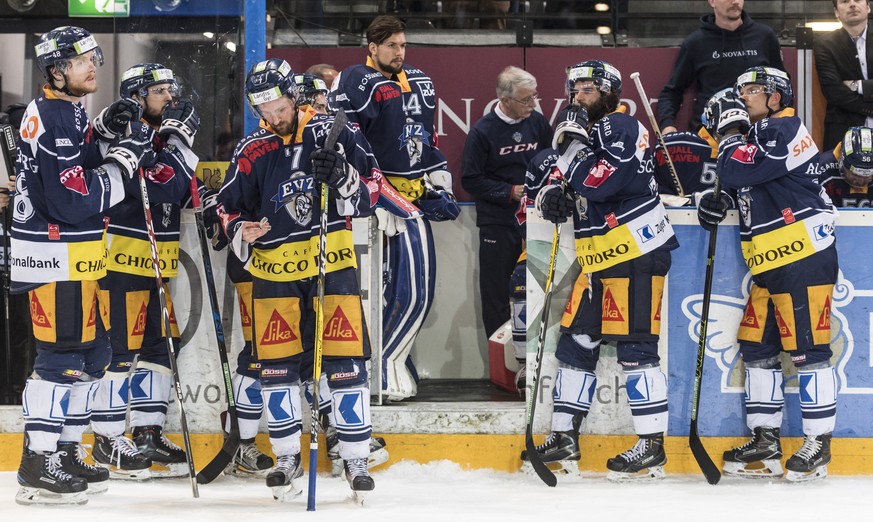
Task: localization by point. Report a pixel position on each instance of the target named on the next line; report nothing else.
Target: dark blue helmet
(606, 77)
(56, 47)
(773, 80)
(269, 80)
(308, 85)
(856, 157)
(137, 79)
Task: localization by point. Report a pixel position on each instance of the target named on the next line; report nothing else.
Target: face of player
(81, 74)
(319, 103)
(390, 54)
(521, 104)
(852, 13)
(592, 98)
(157, 99)
(729, 10)
(758, 104)
(281, 114)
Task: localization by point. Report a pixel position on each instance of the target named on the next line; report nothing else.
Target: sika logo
(139, 324)
(338, 328)
(824, 320)
(277, 331)
(610, 309)
(37, 314)
(784, 331)
(750, 320)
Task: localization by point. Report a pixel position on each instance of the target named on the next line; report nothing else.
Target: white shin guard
(818, 400)
(150, 394)
(45, 408)
(110, 405)
(574, 390)
(647, 396)
(351, 412)
(284, 419)
(764, 397)
(249, 405)
(79, 410)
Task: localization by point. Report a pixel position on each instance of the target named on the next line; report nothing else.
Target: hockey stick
(9, 152)
(168, 336)
(635, 76)
(339, 123)
(709, 469)
(232, 439)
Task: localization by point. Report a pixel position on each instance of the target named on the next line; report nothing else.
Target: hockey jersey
(841, 193)
(619, 215)
(63, 191)
(396, 116)
(785, 215)
(496, 155)
(168, 181)
(536, 177)
(693, 155)
(270, 177)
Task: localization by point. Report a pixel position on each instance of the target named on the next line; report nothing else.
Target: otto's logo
(599, 173)
(745, 154)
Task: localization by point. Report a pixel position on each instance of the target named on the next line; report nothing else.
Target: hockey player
(846, 171)
(393, 103)
(787, 239)
(313, 92)
(693, 155)
(270, 207)
(623, 240)
(58, 255)
(138, 341)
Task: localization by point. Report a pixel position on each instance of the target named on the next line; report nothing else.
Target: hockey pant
(137, 338)
(410, 273)
(620, 304)
(72, 352)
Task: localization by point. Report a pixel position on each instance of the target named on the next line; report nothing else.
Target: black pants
(499, 248)
(21, 350)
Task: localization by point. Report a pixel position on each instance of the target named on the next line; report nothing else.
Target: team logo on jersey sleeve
(599, 173)
(745, 153)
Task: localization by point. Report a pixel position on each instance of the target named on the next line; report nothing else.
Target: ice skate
(168, 460)
(644, 461)
(281, 478)
(378, 454)
(811, 460)
(120, 456)
(560, 451)
(43, 480)
(359, 478)
(249, 461)
(757, 458)
(71, 461)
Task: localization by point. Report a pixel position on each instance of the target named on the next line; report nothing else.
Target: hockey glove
(554, 205)
(725, 112)
(572, 124)
(212, 221)
(439, 205)
(712, 208)
(133, 151)
(388, 223)
(113, 120)
(180, 119)
(328, 166)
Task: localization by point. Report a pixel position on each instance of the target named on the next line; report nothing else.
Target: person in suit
(841, 59)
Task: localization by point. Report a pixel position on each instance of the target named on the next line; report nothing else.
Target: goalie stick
(339, 123)
(231, 440)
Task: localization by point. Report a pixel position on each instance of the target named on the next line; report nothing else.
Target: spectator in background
(841, 62)
(324, 71)
(496, 155)
(727, 43)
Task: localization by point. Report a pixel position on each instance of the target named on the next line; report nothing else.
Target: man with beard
(58, 254)
(147, 103)
(727, 43)
(623, 241)
(394, 104)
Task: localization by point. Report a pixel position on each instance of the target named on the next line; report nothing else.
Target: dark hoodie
(714, 58)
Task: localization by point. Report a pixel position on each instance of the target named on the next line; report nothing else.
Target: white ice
(442, 491)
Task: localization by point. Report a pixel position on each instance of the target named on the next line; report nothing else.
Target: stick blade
(707, 466)
(220, 461)
(542, 471)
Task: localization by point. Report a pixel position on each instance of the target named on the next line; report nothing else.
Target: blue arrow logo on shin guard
(347, 408)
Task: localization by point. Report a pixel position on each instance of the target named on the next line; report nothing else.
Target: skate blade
(759, 469)
(376, 458)
(126, 474)
(358, 497)
(97, 488)
(818, 473)
(561, 467)
(286, 493)
(161, 470)
(653, 473)
(242, 472)
(27, 496)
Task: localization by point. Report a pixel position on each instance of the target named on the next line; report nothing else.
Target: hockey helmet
(856, 158)
(269, 80)
(308, 85)
(606, 77)
(773, 80)
(137, 79)
(712, 110)
(56, 47)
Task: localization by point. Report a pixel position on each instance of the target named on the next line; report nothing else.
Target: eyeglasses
(530, 100)
(751, 92)
(160, 91)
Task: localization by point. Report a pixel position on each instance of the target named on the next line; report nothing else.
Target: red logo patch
(611, 220)
(338, 328)
(745, 154)
(74, 179)
(599, 173)
(788, 215)
(278, 331)
(54, 232)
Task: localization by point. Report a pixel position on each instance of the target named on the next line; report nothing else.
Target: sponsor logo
(63, 142)
(774, 254)
(74, 179)
(610, 308)
(750, 319)
(278, 331)
(54, 232)
(37, 313)
(343, 376)
(599, 173)
(521, 147)
(805, 143)
(601, 257)
(139, 323)
(338, 328)
(788, 215)
(274, 372)
(824, 320)
(611, 220)
(72, 373)
(30, 262)
(784, 331)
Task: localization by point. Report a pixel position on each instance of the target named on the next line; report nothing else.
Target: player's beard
(598, 109)
(83, 88)
(387, 67)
